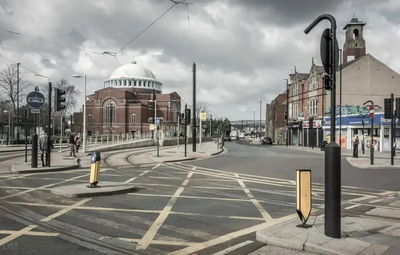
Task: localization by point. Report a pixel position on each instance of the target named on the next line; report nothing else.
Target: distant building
(126, 104)
(276, 121)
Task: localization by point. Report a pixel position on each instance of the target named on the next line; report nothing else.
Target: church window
(133, 118)
(89, 118)
(110, 113)
(355, 34)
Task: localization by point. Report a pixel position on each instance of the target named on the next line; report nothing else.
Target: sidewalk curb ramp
(353, 164)
(50, 169)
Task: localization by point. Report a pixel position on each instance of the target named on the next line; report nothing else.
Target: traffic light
(310, 123)
(59, 100)
(388, 108)
(285, 115)
(327, 82)
(398, 107)
(187, 116)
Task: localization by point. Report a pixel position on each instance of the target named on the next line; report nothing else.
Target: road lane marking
(162, 242)
(257, 204)
(25, 230)
(376, 201)
(134, 178)
(351, 207)
(232, 235)
(28, 233)
(191, 197)
(235, 247)
(151, 233)
(48, 185)
(156, 166)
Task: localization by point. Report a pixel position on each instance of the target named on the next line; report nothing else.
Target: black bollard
(34, 153)
(332, 190)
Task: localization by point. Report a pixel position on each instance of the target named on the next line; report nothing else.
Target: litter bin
(323, 144)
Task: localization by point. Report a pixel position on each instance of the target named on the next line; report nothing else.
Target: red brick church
(126, 104)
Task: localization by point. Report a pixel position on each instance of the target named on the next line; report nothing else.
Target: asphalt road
(203, 207)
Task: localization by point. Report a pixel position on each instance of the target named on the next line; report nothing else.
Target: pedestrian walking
(72, 146)
(78, 141)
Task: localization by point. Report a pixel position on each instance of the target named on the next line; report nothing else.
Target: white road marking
(256, 203)
(134, 178)
(235, 247)
(351, 207)
(376, 201)
(151, 233)
(232, 235)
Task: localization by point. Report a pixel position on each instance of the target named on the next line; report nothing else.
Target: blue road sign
(35, 100)
(158, 121)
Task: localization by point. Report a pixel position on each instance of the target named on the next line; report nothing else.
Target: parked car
(266, 140)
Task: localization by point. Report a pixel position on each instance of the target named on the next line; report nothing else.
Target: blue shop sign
(356, 120)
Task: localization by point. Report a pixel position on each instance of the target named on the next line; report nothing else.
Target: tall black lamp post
(287, 112)
(329, 56)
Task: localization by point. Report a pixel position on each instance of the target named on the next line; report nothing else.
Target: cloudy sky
(243, 48)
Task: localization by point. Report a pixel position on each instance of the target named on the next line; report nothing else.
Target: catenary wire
(45, 40)
(152, 23)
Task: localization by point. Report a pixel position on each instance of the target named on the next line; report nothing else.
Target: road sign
(35, 100)
(300, 115)
(203, 116)
(35, 111)
(371, 111)
(158, 121)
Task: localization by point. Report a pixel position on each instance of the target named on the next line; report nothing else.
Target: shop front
(359, 125)
(312, 137)
(295, 133)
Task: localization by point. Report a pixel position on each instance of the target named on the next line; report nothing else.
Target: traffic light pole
(49, 128)
(185, 131)
(393, 140)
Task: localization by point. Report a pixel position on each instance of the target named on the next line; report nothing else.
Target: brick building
(127, 103)
(276, 122)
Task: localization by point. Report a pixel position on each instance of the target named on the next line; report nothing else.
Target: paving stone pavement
(359, 236)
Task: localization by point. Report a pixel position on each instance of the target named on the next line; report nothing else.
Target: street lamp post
(18, 124)
(84, 111)
(287, 112)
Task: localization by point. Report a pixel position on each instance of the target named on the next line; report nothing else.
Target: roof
(303, 76)
(354, 21)
(133, 70)
(349, 63)
(319, 69)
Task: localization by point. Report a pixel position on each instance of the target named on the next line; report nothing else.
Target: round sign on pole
(35, 100)
(371, 111)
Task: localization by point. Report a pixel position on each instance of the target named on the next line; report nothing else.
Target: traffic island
(58, 163)
(102, 189)
(359, 236)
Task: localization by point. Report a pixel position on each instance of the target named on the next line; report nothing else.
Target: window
(110, 113)
(295, 89)
(313, 83)
(133, 118)
(295, 110)
(313, 107)
(89, 118)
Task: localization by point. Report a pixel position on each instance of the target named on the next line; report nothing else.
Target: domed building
(126, 104)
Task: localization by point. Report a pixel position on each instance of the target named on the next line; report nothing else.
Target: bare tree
(201, 106)
(8, 85)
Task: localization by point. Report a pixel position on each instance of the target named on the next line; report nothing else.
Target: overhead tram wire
(48, 41)
(152, 23)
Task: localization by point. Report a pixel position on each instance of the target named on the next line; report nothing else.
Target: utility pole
(194, 108)
(287, 112)
(260, 121)
(340, 103)
(18, 103)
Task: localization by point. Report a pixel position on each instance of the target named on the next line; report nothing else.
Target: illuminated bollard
(94, 170)
(303, 205)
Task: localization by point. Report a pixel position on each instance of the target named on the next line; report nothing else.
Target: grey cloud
(286, 12)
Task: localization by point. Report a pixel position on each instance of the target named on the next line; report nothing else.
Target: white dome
(133, 70)
(134, 76)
